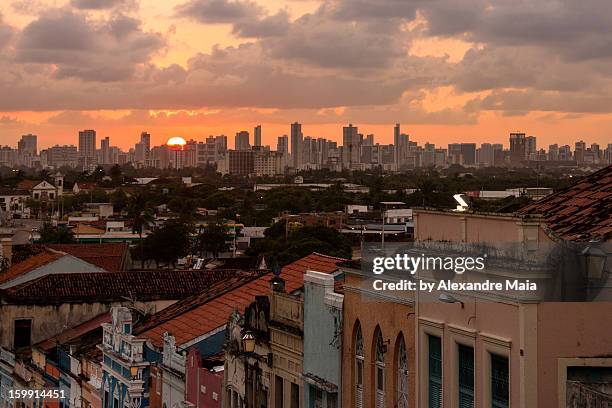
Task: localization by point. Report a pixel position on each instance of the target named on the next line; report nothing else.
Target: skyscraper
(241, 141)
(282, 145)
(105, 150)
(517, 148)
(401, 142)
(351, 145)
(87, 149)
(28, 144)
(296, 145)
(257, 135)
(530, 148)
(145, 140)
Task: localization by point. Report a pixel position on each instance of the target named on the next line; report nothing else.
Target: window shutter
(435, 372)
(466, 377)
(499, 382)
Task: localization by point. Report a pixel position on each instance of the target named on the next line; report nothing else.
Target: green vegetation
(55, 235)
(284, 243)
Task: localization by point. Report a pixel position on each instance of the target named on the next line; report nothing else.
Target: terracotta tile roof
(75, 333)
(27, 184)
(8, 191)
(112, 286)
(214, 313)
(109, 256)
(581, 212)
(29, 264)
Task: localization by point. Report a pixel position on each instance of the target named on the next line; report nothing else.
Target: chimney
(6, 249)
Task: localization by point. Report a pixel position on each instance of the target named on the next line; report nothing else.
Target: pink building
(203, 380)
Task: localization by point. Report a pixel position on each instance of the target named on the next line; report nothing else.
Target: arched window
(359, 357)
(379, 367)
(402, 374)
(106, 403)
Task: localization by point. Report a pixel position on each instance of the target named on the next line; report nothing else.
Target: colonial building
(125, 364)
(322, 370)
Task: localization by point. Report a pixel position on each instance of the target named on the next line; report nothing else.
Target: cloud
(78, 47)
(102, 4)
(263, 27)
(219, 11)
(6, 32)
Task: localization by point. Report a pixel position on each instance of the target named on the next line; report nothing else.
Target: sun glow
(176, 142)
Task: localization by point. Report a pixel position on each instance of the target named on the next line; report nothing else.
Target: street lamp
(446, 298)
(596, 259)
(248, 342)
(134, 372)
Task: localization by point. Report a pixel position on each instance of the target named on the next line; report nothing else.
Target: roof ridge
(325, 256)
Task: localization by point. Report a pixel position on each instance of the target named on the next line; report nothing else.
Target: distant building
(517, 148)
(241, 141)
(296, 145)
(257, 136)
(87, 149)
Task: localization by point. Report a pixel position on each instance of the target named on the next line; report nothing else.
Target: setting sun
(176, 142)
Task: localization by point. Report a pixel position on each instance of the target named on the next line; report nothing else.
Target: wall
(50, 320)
(394, 317)
(322, 331)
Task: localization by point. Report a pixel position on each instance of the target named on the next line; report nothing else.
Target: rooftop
(581, 212)
(38, 260)
(76, 333)
(113, 286)
(109, 256)
(189, 319)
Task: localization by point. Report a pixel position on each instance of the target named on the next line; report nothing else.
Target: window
(402, 375)
(317, 397)
(332, 400)
(435, 371)
(466, 376)
(116, 396)
(500, 397)
(23, 333)
(278, 392)
(106, 402)
(359, 356)
(295, 395)
(380, 370)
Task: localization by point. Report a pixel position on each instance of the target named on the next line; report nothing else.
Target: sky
(447, 70)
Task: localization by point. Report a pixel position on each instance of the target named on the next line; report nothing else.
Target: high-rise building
(517, 148)
(28, 144)
(282, 145)
(565, 153)
(257, 135)
(530, 148)
(59, 156)
(351, 146)
(401, 143)
(241, 141)
(579, 150)
(486, 156)
(553, 152)
(105, 150)
(241, 162)
(145, 140)
(87, 149)
(296, 145)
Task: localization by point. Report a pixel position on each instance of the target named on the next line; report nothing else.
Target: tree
(212, 239)
(168, 243)
(55, 235)
(300, 242)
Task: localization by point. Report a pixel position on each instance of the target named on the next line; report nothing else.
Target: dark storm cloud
(108, 50)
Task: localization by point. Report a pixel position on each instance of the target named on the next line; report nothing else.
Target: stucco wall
(393, 319)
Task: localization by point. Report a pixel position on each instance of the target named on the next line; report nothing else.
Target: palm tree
(142, 219)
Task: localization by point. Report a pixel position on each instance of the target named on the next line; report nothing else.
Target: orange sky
(218, 55)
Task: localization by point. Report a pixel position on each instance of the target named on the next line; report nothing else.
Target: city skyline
(193, 68)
